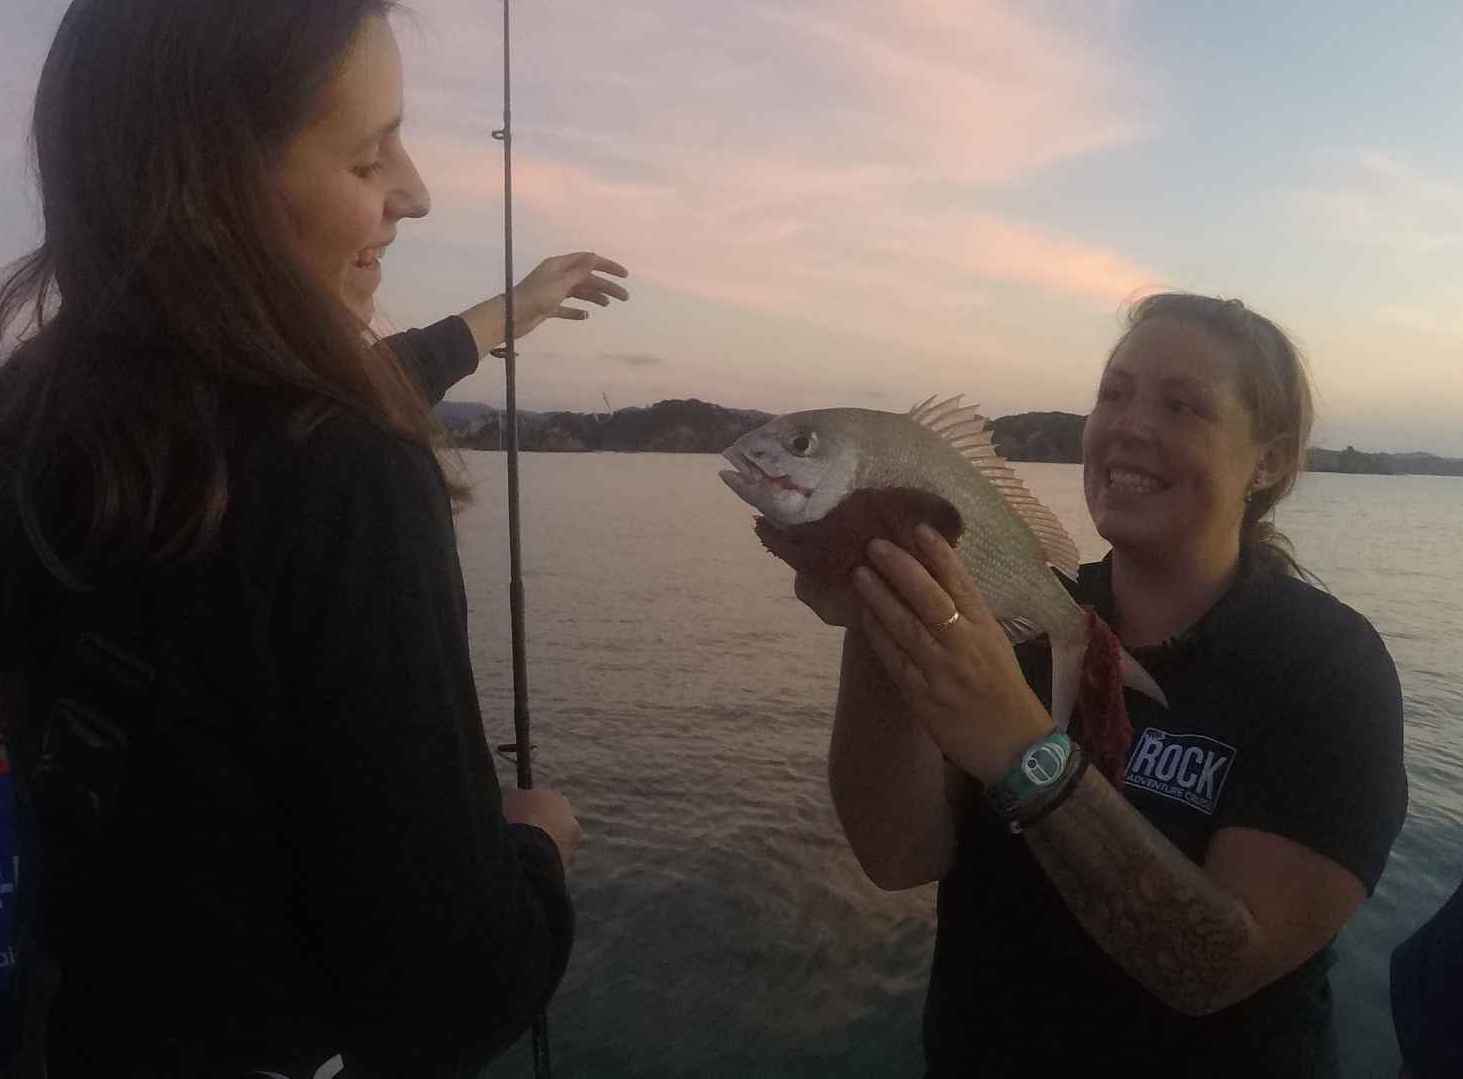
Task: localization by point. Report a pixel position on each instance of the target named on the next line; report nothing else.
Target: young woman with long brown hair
(264, 827)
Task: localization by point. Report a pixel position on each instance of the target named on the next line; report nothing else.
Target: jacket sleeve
(437, 356)
(442, 928)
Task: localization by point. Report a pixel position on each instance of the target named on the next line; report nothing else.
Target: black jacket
(303, 851)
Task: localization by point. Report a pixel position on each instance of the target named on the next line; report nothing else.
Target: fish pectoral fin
(1135, 677)
(1020, 629)
(1067, 660)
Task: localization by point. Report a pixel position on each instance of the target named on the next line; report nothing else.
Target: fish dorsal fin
(967, 431)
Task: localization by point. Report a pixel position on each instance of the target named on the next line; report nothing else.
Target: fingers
(596, 289)
(610, 266)
(599, 284)
(944, 566)
(906, 627)
(573, 277)
(589, 261)
(585, 262)
(912, 582)
(915, 600)
(905, 673)
(585, 292)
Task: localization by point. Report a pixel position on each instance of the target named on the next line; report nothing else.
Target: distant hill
(693, 426)
(688, 426)
(1040, 436)
(1350, 460)
(1423, 464)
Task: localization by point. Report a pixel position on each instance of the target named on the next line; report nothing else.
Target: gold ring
(943, 626)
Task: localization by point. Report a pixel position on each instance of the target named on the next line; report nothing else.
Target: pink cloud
(1017, 252)
(826, 160)
(739, 236)
(975, 92)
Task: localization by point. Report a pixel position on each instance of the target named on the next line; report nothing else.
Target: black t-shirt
(1284, 716)
(308, 853)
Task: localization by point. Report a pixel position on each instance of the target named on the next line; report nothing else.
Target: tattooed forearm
(1151, 909)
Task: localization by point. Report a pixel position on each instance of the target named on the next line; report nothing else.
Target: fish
(826, 481)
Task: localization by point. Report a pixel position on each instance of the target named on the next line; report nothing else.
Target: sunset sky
(835, 202)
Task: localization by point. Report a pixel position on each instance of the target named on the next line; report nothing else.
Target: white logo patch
(1189, 768)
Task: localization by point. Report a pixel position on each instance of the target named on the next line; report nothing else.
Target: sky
(833, 202)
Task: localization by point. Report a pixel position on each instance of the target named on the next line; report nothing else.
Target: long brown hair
(1275, 390)
(167, 283)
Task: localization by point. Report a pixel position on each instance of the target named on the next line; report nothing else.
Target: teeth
(1133, 482)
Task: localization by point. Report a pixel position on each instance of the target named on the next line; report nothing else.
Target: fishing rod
(523, 750)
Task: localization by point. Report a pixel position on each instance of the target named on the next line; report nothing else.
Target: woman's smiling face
(346, 178)
(1169, 450)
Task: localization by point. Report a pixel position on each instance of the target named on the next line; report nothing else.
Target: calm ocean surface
(682, 699)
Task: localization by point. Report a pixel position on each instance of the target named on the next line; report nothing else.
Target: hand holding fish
(959, 675)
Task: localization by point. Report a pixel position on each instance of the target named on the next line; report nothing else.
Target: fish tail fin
(1135, 677)
(1067, 658)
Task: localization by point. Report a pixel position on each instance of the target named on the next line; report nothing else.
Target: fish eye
(803, 443)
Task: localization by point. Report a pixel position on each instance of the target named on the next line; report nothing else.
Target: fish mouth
(748, 475)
